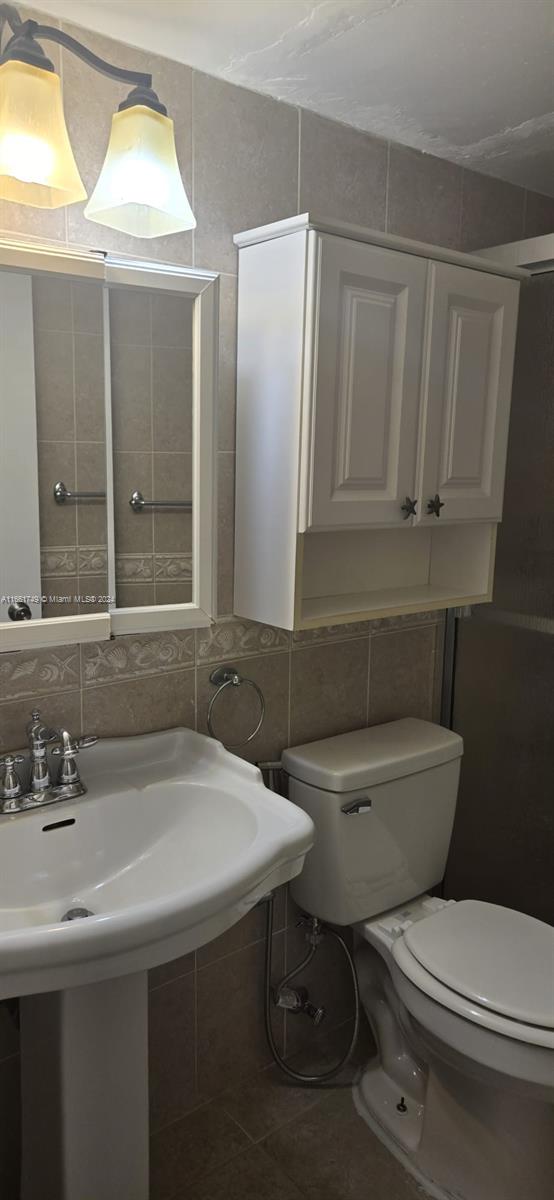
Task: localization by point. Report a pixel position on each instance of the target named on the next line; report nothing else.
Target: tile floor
(271, 1140)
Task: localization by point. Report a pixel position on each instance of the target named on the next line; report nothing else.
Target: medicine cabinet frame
(113, 270)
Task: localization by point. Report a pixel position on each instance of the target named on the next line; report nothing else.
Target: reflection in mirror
(152, 423)
(53, 550)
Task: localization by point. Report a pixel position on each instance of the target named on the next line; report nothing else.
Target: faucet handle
(10, 787)
(67, 751)
(71, 746)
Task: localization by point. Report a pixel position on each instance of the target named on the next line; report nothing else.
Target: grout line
(160, 674)
(68, 442)
(153, 453)
(237, 950)
(195, 1001)
(74, 386)
(31, 696)
(368, 678)
(461, 211)
(244, 658)
(214, 1172)
(299, 161)
(332, 641)
(192, 164)
(289, 705)
(81, 688)
(238, 1124)
(184, 1117)
(157, 987)
(319, 1096)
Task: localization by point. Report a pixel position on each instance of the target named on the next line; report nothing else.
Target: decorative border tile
(93, 560)
(390, 624)
(134, 568)
(330, 633)
(39, 672)
(232, 637)
(135, 655)
(58, 562)
(173, 568)
(356, 629)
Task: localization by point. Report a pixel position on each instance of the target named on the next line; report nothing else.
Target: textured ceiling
(468, 80)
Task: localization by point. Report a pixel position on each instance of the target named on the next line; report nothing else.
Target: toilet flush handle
(362, 805)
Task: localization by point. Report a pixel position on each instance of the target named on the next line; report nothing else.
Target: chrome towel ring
(224, 677)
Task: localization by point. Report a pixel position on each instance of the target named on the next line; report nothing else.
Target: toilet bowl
(460, 995)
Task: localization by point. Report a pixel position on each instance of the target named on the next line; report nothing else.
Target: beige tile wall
(151, 362)
(246, 160)
(69, 375)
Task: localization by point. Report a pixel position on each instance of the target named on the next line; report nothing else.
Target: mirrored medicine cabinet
(107, 480)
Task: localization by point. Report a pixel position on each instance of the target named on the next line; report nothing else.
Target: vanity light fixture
(139, 190)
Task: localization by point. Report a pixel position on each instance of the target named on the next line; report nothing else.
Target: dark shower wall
(503, 844)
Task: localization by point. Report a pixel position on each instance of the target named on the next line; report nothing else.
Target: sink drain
(77, 914)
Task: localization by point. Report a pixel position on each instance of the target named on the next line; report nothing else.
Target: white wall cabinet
(368, 341)
(374, 380)
(466, 392)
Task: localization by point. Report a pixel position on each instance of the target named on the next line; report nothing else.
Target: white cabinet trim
(359, 233)
(204, 286)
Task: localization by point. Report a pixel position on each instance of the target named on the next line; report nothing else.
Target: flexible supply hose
(297, 1076)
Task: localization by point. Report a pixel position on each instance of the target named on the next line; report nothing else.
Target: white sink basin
(175, 840)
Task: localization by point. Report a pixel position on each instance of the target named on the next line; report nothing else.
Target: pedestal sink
(174, 842)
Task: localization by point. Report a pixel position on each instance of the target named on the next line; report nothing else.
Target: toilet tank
(382, 801)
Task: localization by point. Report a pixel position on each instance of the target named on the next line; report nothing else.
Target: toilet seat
(464, 1005)
(496, 958)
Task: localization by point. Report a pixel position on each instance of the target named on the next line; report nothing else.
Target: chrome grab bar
(138, 502)
(62, 493)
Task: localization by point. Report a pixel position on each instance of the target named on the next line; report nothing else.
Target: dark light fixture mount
(23, 46)
(139, 190)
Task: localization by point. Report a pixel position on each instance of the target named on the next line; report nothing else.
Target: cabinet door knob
(408, 508)
(435, 505)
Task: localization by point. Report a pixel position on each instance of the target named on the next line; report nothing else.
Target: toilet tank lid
(366, 757)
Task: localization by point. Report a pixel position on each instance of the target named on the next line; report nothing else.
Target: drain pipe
(297, 1000)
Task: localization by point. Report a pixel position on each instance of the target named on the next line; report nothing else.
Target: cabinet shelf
(384, 602)
(395, 571)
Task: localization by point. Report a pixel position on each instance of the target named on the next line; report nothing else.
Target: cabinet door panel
(467, 388)
(361, 439)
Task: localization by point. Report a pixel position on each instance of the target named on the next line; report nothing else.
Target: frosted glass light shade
(140, 190)
(37, 166)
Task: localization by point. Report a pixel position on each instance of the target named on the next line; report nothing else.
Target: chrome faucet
(38, 736)
(41, 791)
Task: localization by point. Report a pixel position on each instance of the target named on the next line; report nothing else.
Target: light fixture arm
(139, 190)
(10, 16)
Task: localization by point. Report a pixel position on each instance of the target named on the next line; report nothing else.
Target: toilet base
(398, 1113)
(375, 1098)
(467, 1141)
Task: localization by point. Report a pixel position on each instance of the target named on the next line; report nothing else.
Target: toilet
(459, 994)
